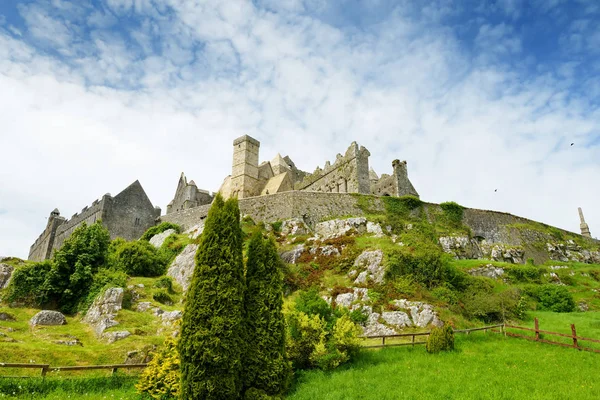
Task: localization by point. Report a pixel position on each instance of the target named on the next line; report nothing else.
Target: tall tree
(266, 368)
(211, 345)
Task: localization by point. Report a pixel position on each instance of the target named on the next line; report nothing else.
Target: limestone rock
(139, 356)
(104, 309)
(371, 261)
(570, 251)
(69, 342)
(170, 316)
(293, 255)
(327, 250)
(113, 336)
(7, 317)
(158, 239)
(143, 306)
(340, 227)
(48, 317)
(507, 254)
(347, 299)
(182, 267)
(5, 275)
(196, 230)
(294, 226)
(461, 247)
(375, 229)
(397, 318)
(422, 314)
(374, 328)
(489, 271)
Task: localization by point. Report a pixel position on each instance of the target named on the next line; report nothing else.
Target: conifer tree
(266, 369)
(211, 345)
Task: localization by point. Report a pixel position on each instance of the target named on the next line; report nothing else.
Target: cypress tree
(266, 369)
(211, 345)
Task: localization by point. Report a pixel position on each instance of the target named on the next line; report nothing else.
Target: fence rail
(45, 368)
(536, 338)
(413, 342)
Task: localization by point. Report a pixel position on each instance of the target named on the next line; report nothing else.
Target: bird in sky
(495, 190)
(572, 144)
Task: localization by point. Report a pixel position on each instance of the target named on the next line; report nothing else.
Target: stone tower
(585, 229)
(404, 186)
(244, 175)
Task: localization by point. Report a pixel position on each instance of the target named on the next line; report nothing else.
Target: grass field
(482, 367)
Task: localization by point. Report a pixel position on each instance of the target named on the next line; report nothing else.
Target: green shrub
(426, 264)
(138, 258)
(164, 282)
(453, 212)
(160, 379)
(277, 226)
(172, 246)
(358, 316)
(565, 277)
(445, 294)
(310, 303)
(482, 302)
(440, 339)
(74, 266)
(155, 230)
(595, 274)
(162, 296)
(398, 209)
(554, 298)
(525, 273)
(26, 284)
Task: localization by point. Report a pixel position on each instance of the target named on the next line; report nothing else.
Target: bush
(160, 379)
(554, 298)
(445, 294)
(172, 246)
(26, 284)
(304, 333)
(453, 212)
(525, 273)
(358, 316)
(483, 303)
(565, 277)
(164, 282)
(155, 230)
(137, 258)
(163, 297)
(310, 303)
(426, 264)
(440, 339)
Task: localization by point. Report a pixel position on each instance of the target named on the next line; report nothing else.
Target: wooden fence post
(537, 329)
(413, 340)
(383, 340)
(574, 332)
(44, 370)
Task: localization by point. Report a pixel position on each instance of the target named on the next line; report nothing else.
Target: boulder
(374, 328)
(112, 337)
(371, 262)
(327, 250)
(397, 318)
(507, 254)
(341, 227)
(294, 226)
(104, 309)
(375, 229)
(48, 317)
(5, 275)
(143, 306)
(7, 317)
(69, 342)
(348, 299)
(292, 256)
(461, 247)
(422, 314)
(158, 239)
(170, 316)
(489, 271)
(182, 267)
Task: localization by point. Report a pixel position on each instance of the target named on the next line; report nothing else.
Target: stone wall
(348, 174)
(41, 249)
(89, 215)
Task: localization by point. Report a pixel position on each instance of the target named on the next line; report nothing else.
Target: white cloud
(173, 100)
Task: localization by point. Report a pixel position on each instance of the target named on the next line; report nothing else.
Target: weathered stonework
(585, 229)
(128, 215)
(188, 195)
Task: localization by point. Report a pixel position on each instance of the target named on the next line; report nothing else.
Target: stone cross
(585, 229)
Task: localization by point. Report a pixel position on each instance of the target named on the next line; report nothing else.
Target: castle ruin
(188, 195)
(350, 173)
(128, 215)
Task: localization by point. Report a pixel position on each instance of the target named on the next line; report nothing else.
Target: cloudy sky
(476, 95)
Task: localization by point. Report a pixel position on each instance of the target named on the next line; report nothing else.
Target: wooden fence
(45, 368)
(536, 330)
(413, 342)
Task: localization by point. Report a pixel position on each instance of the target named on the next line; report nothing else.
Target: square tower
(244, 173)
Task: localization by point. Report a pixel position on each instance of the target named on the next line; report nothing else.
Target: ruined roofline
(246, 138)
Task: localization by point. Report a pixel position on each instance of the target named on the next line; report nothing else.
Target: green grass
(482, 367)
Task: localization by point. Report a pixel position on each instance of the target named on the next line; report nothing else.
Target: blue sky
(475, 95)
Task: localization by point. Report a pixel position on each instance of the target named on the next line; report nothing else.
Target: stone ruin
(350, 173)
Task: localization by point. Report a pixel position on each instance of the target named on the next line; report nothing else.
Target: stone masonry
(188, 195)
(348, 174)
(128, 215)
(585, 229)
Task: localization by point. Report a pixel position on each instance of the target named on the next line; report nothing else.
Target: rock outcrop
(158, 239)
(113, 336)
(570, 251)
(461, 247)
(182, 268)
(507, 254)
(292, 256)
(104, 309)
(294, 226)
(5, 275)
(48, 317)
(488, 271)
(335, 228)
(368, 266)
